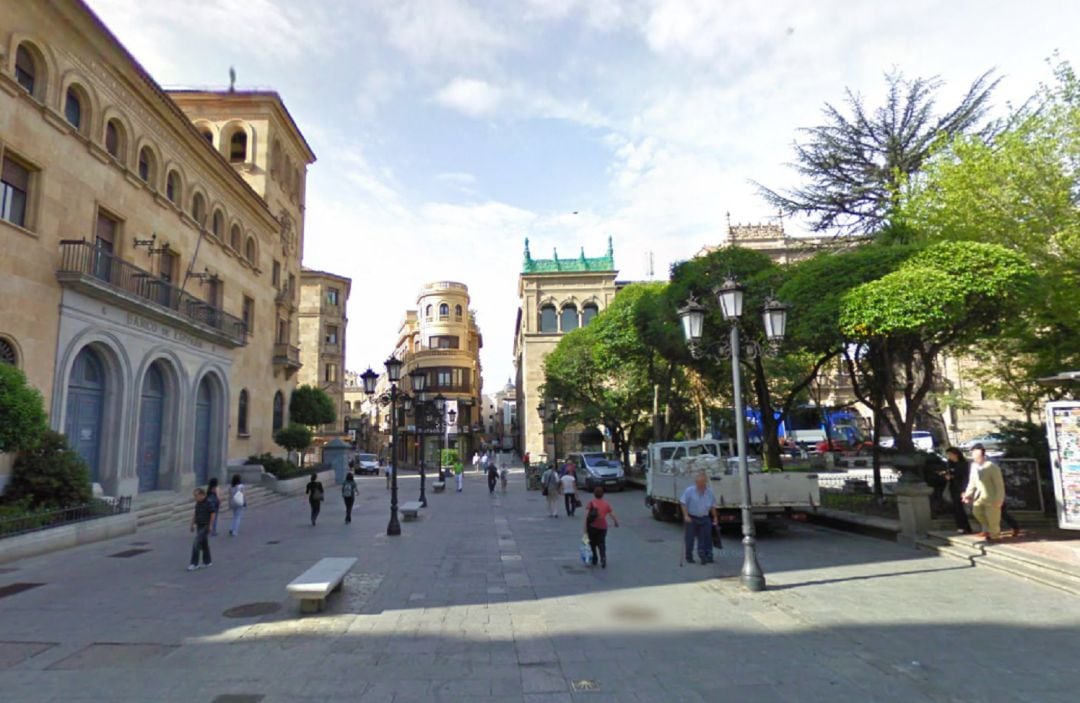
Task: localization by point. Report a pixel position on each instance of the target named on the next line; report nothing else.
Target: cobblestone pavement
(485, 599)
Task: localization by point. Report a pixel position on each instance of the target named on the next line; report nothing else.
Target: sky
(448, 131)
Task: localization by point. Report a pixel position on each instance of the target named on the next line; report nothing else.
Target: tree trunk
(656, 412)
(769, 426)
(875, 461)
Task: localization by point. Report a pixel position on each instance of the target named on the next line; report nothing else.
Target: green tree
(22, 412)
(855, 164)
(311, 406)
(49, 475)
(950, 295)
(1020, 189)
(294, 438)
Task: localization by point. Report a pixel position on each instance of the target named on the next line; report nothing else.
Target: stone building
(152, 240)
(555, 296)
(442, 337)
(323, 320)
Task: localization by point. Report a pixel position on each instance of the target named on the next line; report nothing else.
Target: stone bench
(313, 586)
(439, 486)
(411, 509)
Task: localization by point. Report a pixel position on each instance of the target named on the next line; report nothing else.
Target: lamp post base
(393, 529)
(752, 578)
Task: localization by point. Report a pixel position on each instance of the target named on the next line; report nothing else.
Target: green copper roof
(581, 263)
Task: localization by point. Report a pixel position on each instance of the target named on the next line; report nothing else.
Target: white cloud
(470, 96)
(442, 31)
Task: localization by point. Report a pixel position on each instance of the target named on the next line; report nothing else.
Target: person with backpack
(314, 493)
(549, 486)
(237, 504)
(348, 493)
(596, 514)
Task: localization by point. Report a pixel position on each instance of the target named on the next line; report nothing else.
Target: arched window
(172, 187)
(569, 318)
(427, 312)
(207, 135)
(198, 208)
(114, 139)
(549, 320)
(444, 311)
(217, 225)
(7, 353)
(73, 108)
(588, 312)
(238, 147)
(235, 238)
(457, 312)
(242, 413)
(249, 250)
(28, 70)
(147, 165)
(279, 411)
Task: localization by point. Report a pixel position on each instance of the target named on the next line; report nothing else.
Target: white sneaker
(191, 567)
(207, 565)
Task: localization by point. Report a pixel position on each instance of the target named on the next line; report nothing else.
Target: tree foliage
(855, 163)
(311, 406)
(49, 475)
(22, 412)
(294, 438)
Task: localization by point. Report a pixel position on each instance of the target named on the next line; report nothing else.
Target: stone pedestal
(913, 500)
(335, 453)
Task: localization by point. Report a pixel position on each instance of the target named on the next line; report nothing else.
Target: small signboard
(1023, 488)
(1063, 431)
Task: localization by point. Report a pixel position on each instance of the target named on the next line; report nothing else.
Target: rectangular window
(105, 231)
(282, 331)
(331, 334)
(169, 264)
(14, 191)
(332, 296)
(444, 342)
(330, 374)
(249, 315)
(276, 276)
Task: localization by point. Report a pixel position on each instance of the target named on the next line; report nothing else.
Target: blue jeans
(237, 515)
(700, 528)
(201, 545)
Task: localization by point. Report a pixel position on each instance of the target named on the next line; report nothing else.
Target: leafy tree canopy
(22, 412)
(311, 406)
(855, 163)
(49, 474)
(294, 438)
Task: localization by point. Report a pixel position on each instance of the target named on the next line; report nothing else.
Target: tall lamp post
(730, 298)
(550, 410)
(418, 380)
(393, 374)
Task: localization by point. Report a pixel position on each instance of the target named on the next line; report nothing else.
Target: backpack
(238, 497)
(594, 513)
(348, 489)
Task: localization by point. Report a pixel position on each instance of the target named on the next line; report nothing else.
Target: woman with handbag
(596, 514)
(237, 504)
(315, 494)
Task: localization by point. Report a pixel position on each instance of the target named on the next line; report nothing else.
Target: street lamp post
(440, 426)
(418, 378)
(393, 374)
(550, 410)
(730, 298)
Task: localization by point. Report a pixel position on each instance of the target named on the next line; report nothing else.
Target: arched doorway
(204, 407)
(85, 408)
(151, 415)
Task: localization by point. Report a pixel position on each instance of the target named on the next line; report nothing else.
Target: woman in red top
(596, 514)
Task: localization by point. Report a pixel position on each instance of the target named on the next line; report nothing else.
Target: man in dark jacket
(200, 525)
(956, 471)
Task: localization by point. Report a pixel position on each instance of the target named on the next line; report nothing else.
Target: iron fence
(46, 519)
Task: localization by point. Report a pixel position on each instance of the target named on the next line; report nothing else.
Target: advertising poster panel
(1063, 431)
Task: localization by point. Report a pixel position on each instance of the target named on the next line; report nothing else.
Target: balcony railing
(286, 355)
(91, 267)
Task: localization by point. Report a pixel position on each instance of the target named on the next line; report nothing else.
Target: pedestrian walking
(492, 477)
(459, 476)
(215, 503)
(201, 520)
(525, 460)
(956, 473)
(348, 494)
(389, 471)
(237, 504)
(549, 486)
(569, 493)
(986, 493)
(698, 503)
(314, 494)
(596, 527)
(476, 461)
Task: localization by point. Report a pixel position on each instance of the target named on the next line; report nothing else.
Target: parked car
(990, 442)
(366, 464)
(598, 469)
(923, 440)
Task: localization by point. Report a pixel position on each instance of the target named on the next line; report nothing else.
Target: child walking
(200, 525)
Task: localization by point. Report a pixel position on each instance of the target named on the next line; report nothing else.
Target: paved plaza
(485, 599)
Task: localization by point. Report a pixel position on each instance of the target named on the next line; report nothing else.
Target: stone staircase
(1006, 558)
(160, 508)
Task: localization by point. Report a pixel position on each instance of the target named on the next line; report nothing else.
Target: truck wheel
(658, 512)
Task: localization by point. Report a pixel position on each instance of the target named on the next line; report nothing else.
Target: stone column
(913, 500)
(335, 453)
